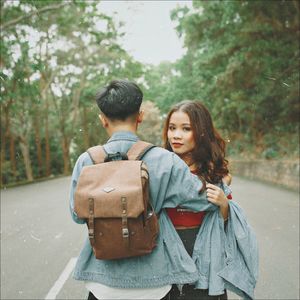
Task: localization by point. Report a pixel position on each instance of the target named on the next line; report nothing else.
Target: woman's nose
(177, 134)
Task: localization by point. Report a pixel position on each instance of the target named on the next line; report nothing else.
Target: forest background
(242, 62)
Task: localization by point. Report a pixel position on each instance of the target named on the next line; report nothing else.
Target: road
(40, 242)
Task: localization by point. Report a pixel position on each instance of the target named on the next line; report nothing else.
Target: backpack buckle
(91, 221)
(91, 233)
(125, 232)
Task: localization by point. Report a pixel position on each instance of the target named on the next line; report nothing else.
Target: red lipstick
(177, 145)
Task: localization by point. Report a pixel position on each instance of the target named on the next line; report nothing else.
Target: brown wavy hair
(209, 151)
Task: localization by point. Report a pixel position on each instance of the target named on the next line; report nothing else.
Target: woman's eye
(186, 129)
(171, 127)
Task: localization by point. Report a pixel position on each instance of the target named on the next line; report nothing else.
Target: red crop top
(186, 218)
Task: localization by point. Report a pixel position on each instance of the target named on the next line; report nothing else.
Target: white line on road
(62, 279)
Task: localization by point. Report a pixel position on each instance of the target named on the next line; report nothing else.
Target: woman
(189, 132)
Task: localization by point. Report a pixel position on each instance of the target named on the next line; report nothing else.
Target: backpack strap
(138, 150)
(97, 154)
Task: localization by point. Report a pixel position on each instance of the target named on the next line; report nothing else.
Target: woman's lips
(177, 145)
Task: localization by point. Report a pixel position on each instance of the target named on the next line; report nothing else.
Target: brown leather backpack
(113, 196)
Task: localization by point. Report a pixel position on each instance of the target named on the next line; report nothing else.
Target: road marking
(62, 279)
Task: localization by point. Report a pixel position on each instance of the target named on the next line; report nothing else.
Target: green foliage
(242, 63)
(151, 128)
(55, 56)
(7, 175)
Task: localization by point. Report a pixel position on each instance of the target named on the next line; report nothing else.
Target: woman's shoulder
(159, 152)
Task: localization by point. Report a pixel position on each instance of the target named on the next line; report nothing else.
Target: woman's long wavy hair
(209, 151)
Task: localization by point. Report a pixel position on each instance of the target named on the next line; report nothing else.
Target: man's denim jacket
(171, 184)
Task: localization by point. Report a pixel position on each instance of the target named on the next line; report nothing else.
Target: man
(171, 184)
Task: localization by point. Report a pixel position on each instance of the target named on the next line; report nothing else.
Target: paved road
(38, 239)
(39, 242)
(274, 214)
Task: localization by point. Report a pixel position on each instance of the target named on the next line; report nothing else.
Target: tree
(238, 63)
(53, 64)
(150, 129)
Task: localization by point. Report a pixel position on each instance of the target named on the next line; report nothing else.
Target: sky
(150, 35)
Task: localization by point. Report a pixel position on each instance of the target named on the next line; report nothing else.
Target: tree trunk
(38, 145)
(76, 97)
(3, 146)
(27, 162)
(4, 131)
(47, 143)
(12, 154)
(44, 87)
(66, 155)
(3, 142)
(86, 137)
(3, 136)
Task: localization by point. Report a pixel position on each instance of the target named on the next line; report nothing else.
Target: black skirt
(190, 293)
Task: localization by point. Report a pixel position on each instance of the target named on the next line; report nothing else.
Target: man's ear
(103, 120)
(140, 117)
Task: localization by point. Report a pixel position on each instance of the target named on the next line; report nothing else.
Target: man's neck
(121, 127)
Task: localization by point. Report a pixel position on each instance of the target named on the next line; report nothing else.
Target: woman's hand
(216, 196)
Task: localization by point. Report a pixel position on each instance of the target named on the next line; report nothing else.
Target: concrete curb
(280, 172)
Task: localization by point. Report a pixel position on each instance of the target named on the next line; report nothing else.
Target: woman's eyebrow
(183, 124)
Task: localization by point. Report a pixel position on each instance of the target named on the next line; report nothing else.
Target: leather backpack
(113, 196)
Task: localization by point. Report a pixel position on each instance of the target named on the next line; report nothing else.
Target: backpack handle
(112, 156)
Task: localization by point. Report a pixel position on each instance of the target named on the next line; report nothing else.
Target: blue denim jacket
(227, 258)
(171, 184)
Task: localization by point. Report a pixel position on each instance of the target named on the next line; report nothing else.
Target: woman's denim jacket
(171, 184)
(227, 258)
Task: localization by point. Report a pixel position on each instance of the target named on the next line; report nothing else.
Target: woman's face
(180, 134)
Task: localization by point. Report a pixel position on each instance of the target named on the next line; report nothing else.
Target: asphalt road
(40, 242)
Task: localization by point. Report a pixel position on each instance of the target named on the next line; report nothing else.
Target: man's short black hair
(120, 99)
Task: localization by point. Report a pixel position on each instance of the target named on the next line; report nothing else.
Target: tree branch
(39, 11)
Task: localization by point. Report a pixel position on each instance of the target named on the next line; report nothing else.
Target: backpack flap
(114, 181)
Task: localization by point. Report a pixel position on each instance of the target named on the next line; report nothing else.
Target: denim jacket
(227, 258)
(171, 184)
